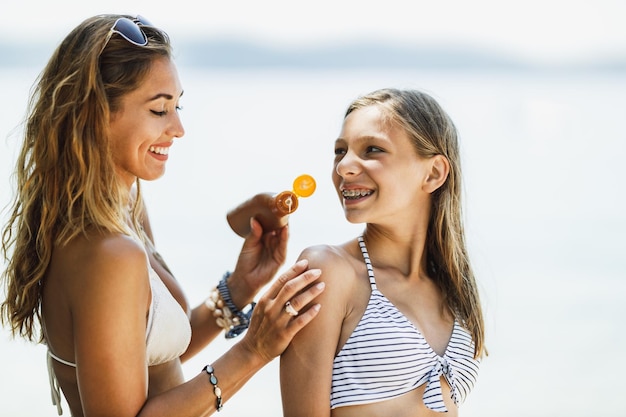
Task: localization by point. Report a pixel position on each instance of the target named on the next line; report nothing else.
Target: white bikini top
(168, 333)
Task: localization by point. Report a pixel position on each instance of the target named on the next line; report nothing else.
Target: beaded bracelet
(227, 315)
(216, 390)
(222, 314)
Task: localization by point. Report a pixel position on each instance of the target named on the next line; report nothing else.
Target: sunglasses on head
(129, 29)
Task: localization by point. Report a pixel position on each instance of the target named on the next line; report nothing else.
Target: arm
(259, 260)
(270, 332)
(306, 365)
(109, 304)
(261, 256)
(109, 299)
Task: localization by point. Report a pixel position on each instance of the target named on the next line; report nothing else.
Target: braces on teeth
(355, 193)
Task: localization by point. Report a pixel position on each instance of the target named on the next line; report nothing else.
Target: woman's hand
(260, 258)
(271, 327)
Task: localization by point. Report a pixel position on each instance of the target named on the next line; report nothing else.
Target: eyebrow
(364, 138)
(166, 96)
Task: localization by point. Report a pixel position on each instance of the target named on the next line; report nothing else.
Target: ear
(439, 168)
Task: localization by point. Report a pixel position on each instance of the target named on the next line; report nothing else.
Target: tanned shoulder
(105, 264)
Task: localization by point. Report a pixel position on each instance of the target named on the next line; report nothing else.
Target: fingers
(274, 242)
(296, 303)
(296, 294)
(292, 273)
(257, 229)
(284, 238)
(291, 286)
(304, 317)
(272, 328)
(255, 234)
(289, 309)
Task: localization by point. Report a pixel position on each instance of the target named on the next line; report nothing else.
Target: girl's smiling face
(144, 127)
(377, 173)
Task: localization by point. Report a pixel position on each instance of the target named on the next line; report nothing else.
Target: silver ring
(290, 310)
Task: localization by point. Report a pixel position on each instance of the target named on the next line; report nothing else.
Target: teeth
(355, 193)
(161, 150)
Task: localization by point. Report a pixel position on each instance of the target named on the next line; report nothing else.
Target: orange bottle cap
(304, 185)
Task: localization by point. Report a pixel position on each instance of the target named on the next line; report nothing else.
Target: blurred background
(537, 90)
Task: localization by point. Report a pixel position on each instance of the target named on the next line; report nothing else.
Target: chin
(353, 218)
(153, 176)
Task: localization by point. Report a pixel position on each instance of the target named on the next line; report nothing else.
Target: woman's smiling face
(144, 127)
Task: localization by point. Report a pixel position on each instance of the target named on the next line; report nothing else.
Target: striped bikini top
(386, 356)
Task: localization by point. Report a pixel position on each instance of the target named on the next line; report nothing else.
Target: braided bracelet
(227, 315)
(216, 390)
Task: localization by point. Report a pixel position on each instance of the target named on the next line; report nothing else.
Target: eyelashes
(368, 150)
(165, 112)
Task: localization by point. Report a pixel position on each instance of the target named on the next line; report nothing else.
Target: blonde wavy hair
(66, 184)
(433, 133)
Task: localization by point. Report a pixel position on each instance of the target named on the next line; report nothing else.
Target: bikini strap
(63, 361)
(368, 263)
(55, 388)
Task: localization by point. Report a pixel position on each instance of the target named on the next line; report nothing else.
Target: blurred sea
(543, 160)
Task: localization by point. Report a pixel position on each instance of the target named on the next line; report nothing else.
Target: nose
(175, 128)
(348, 165)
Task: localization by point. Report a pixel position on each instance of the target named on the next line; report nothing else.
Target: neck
(405, 252)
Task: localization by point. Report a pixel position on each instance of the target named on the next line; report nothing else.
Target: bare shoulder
(328, 256)
(98, 261)
(339, 263)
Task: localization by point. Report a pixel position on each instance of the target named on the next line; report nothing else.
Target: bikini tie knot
(433, 394)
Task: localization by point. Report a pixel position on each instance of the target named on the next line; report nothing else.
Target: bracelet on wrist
(216, 389)
(227, 315)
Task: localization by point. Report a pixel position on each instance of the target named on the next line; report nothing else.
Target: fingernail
(315, 272)
(320, 285)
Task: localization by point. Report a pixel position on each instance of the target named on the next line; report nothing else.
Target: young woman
(83, 274)
(401, 332)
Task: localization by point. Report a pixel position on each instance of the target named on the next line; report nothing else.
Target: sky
(544, 31)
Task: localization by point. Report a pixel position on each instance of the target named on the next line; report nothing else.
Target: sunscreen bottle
(272, 211)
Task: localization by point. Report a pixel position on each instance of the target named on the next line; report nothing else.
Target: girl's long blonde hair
(65, 177)
(433, 133)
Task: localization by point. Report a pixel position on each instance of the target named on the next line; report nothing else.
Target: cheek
(118, 136)
(127, 151)
(335, 178)
(116, 146)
